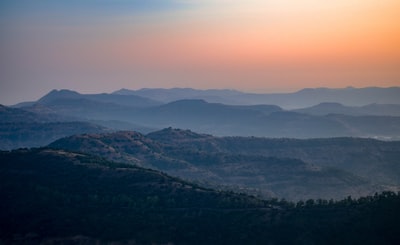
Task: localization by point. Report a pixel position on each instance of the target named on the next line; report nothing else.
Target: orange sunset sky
(254, 45)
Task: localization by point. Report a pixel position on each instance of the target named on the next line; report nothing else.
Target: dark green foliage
(59, 196)
(286, 168)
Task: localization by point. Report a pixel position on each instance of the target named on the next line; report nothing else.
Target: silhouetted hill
(230, 120)
(93, 106)
(382, 109)
(293, 169)
(202, 116)
(336, 108)
(20, 128)
(304, 98)
(110, 110)
(350, 96)
(327, 108)
(87, 109)
(26, 135)
(173, 94)
(214, 109)
(225, 120)
(124, 100)
(59, 197)
(13, 115)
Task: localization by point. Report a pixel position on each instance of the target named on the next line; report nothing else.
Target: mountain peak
(329, 105)
(59, 94)
(124, 91)
(64, 92)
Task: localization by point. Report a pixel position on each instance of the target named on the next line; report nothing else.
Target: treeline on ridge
(58, 196)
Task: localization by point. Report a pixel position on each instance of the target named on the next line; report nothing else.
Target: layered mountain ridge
(132, 110)
(289, 168)
(307, 97)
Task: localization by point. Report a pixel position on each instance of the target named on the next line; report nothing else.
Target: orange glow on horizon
(283, 45)
(359, 37)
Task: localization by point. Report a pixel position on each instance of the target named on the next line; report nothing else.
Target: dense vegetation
(54, 197)
(286, 168)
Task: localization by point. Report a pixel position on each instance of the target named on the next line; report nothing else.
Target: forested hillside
(59, 197)
(284, 168)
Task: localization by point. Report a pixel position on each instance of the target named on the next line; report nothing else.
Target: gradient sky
(253, 45)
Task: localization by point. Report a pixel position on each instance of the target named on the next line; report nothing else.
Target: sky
(94, 46)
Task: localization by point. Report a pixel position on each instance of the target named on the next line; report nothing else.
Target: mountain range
(337, 108)
(126, 111)
(288, 168)
(303, 98)
(186, 166)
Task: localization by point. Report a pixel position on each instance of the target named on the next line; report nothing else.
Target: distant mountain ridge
(266, 121)
(124, 100)
(303, 98)
(173, 94)
(132, 110)
(337, 108)
(324, 120)
(21, 128)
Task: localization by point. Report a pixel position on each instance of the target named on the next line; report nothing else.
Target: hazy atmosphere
(255, 46)
(199, 122)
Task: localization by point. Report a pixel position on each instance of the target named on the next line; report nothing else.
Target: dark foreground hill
(285, 168)
(59, 197)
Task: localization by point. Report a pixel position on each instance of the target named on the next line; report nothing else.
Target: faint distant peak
(307, 90)
(348, 88)
(62, 92)
(329, 105)
(124, 91)
(59, 94)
